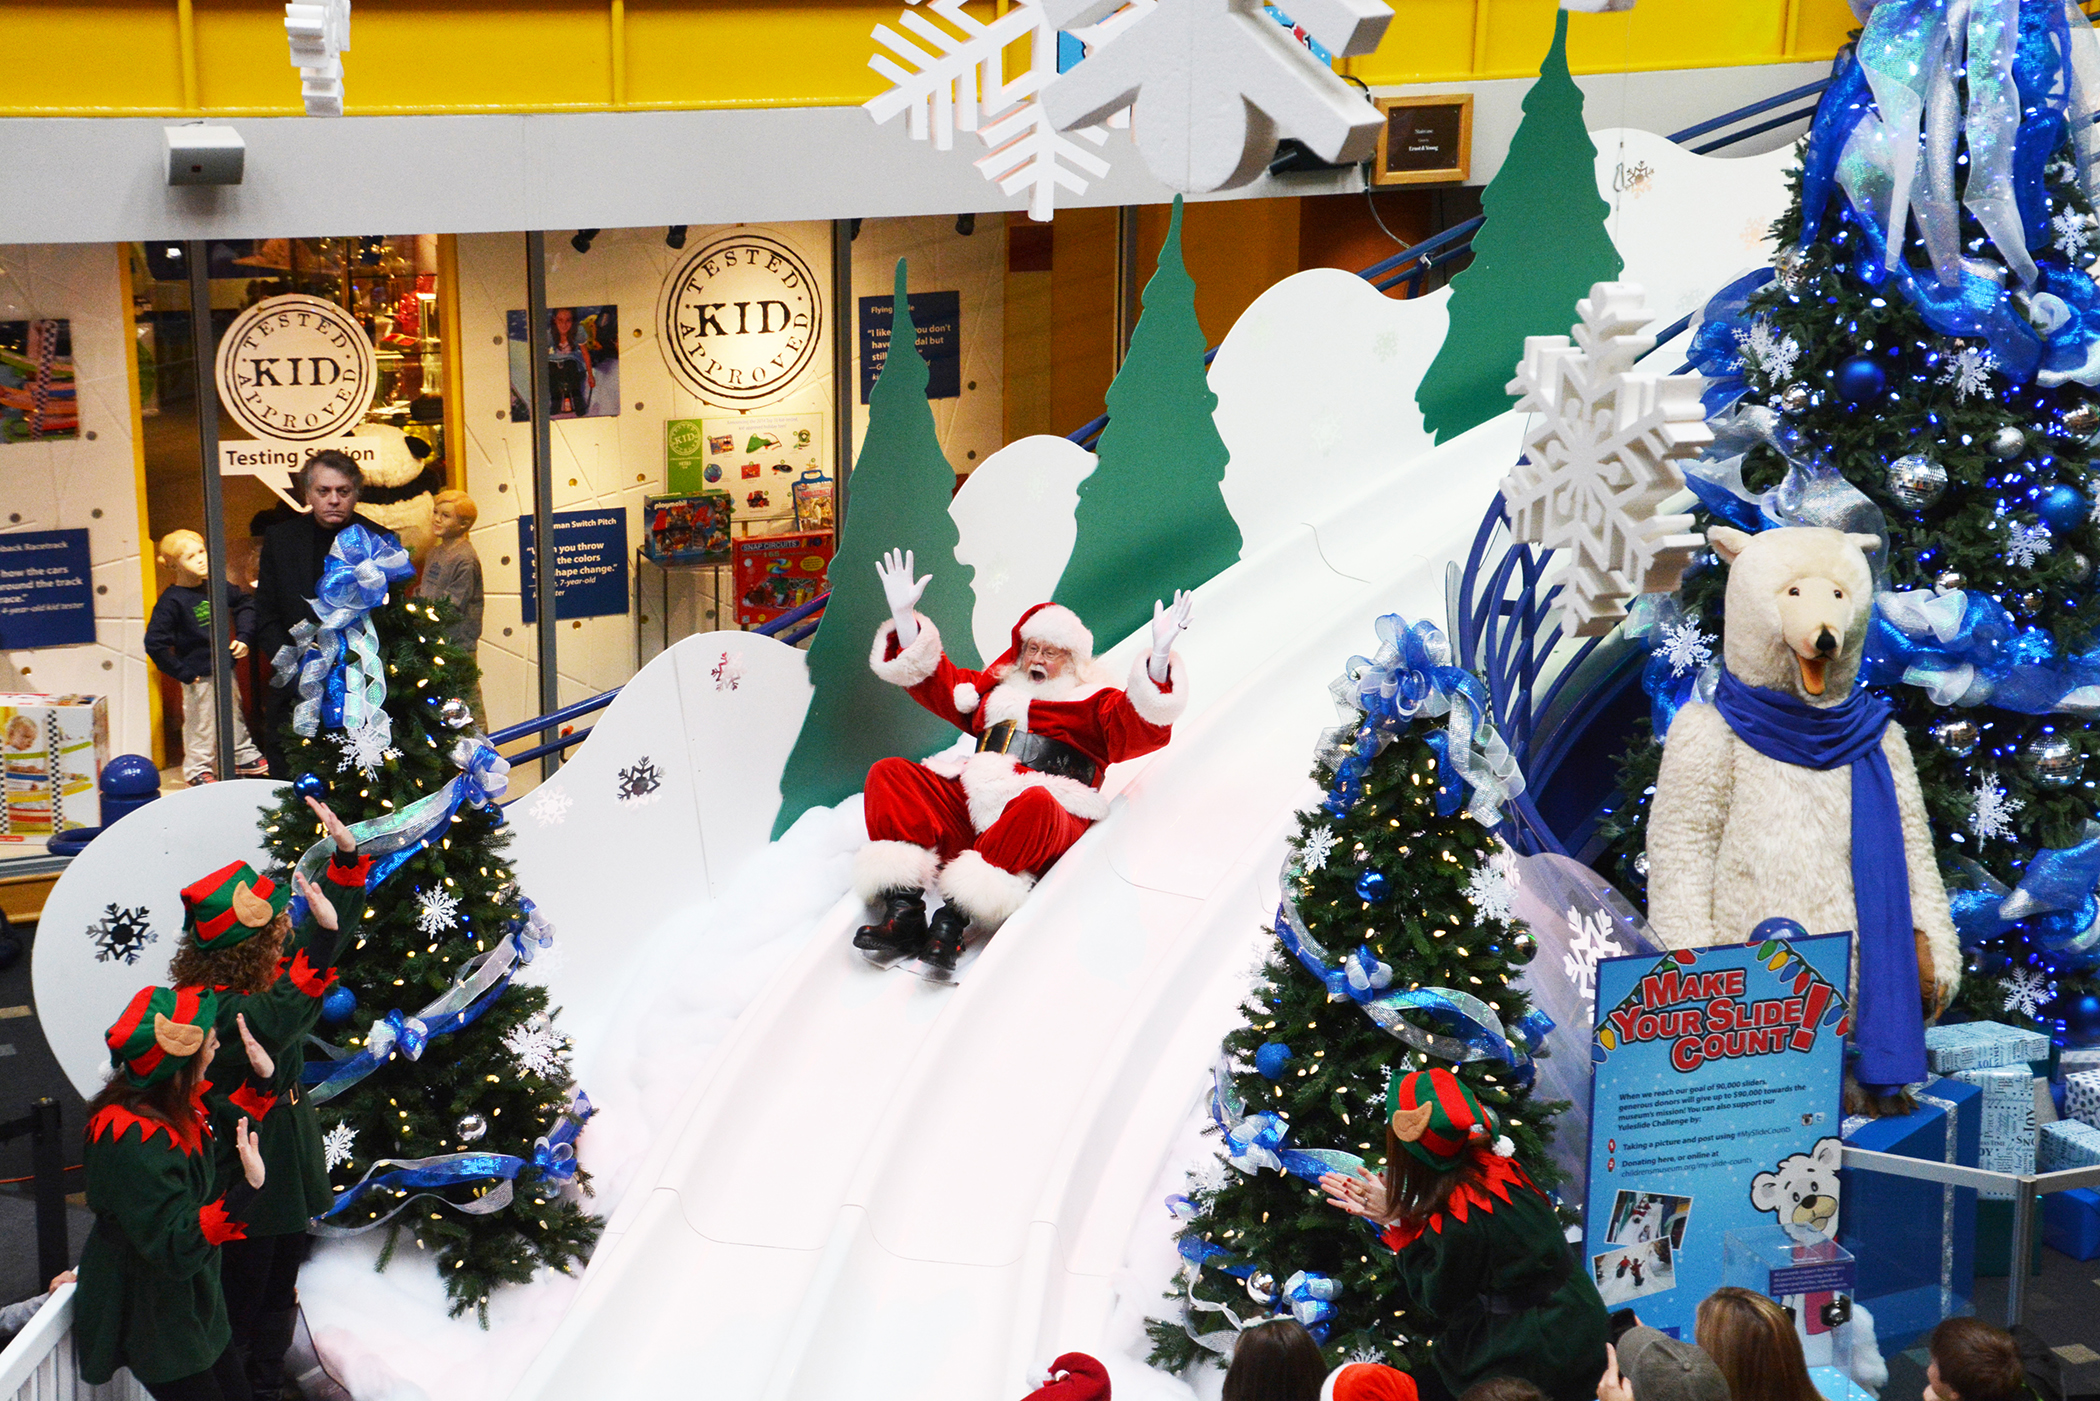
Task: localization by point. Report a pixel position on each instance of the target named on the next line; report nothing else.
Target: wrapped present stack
(2071, 1220)
(1982, 1046)
(1915, 1240)
(1998, 1060)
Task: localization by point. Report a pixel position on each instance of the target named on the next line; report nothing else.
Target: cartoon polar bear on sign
(1803, 1189)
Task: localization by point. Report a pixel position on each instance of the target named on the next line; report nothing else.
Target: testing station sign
(1714, 1107)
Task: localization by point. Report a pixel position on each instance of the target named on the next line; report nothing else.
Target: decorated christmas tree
(1394, 945)
(1939, 389)
(446, 1056)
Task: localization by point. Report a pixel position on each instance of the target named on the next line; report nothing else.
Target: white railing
(39, 1366)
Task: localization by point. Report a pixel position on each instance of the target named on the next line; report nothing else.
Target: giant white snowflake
(1592, 941)
(318, 32)
(437, 910)
(1772, 350)
(1492, 887)
(2073, 234)
(1991, 814)
(1319, 844)
(1685, 647)
(1969, 371)
(1600, 456)
(2027, 991)
(2024, 544)
(368, 747)
(336, 1145)
(539, 1049)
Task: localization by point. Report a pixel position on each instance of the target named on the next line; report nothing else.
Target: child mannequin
(452, 572)
(178, 639)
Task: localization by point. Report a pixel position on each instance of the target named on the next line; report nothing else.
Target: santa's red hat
(1367, 1381)
(1057, 625)
(1072, 1377)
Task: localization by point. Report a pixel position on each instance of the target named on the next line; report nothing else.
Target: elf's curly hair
(248, 967)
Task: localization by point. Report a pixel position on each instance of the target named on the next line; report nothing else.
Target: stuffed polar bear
(1736, 837)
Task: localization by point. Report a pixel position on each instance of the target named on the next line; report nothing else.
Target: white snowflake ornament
(336, 1145)
(437, 910)
(539, 1050)
(1969, 371)
(2024, 544)
(1319, 845)
(2074, 234)
(1491, 889)
(1773, 351)
(1685, 647)
(368, 747)
(2026, 991)
(1592, 941)
(1992, 812)
(550, 807)
(1600, 456)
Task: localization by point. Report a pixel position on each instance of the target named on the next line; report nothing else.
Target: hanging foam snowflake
(2073, 234)
(437, 910)
(1685, 647)
(1772, 350)
(122, 934)
(2027, 991)
(336, 1145)
(2024, 544)
(1367, 1353)
(1318, 846)
(550, 807)
(1600, 456)
(1992, 813)
(539, 1049)
(368, 747)
(318, 32)
(1593, 940)
(1492, 887)
(1969, 371)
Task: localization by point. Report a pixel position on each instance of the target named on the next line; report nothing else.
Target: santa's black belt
(1038, 752)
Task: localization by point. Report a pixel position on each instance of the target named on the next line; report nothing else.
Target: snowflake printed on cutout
(1774, 352)
(550, 808)
(1318, 846)
(1969, 371)
(2027, 991)
(1492, 888)
(641, 784)
(1686, 647)
(728, 672)
(336, 1145)
(539, 1049)
(368, 747)
(2073, 234)
(437, 910)
(1600, 456)
(2024, 544)
(122, 934)
(1992, 814)
(1593, 940)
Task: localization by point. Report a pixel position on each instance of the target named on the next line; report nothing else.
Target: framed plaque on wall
(1426, 140)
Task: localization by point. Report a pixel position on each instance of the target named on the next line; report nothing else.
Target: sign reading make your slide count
(296, 369)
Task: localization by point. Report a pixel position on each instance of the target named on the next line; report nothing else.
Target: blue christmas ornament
(1269, 1060)
(2082, 1020)
(1371, 886)
(1860, 380)
(2063, 507)
(1778, 928)
(308, 785)
(338, 1005)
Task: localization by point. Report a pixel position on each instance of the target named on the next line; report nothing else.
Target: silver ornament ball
(539, 1021)
(2053, 761)
(2006, 443)
(1957, 734)
(2081, 568)
(2028, 605)
(1261, 1288)
(456, 714)
(1795, 398)
(1916, 480)
(1640, 864)
(1951, 579)
(472, 1128)
(1790, 268)
(2082, 419)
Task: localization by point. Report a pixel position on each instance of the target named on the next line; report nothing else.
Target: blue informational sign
(938, 317)
(590, 564)
(47, 589)
(1714, 1107)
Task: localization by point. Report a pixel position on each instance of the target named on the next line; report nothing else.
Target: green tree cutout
(1151, 517)
(1542, 246)
(902, 484)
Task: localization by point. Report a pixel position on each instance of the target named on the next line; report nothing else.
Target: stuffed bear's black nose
(1825, 643)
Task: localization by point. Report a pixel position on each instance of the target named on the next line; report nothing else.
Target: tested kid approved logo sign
(740, 319)
(296, 369)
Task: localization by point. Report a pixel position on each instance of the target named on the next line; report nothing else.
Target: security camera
(204, 155)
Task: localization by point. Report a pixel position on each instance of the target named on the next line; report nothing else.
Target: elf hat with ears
(231, 905)
(1435, 1116)
(1072, 1377)
(159, 1032)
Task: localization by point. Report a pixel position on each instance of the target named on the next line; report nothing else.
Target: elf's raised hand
(317, 904)
(1169, 621)
(259, 1060)
(902, 593)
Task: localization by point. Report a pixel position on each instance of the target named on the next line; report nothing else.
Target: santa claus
(1047, 722)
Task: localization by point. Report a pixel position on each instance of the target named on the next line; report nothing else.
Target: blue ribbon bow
(1964, 649)
(341, 682)
(2055, 898)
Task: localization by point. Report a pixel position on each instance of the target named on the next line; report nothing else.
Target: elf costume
(988, 824)
(224, 910)
(1490, 1275)
(148, 1296)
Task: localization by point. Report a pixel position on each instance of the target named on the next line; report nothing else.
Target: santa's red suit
(986, 824)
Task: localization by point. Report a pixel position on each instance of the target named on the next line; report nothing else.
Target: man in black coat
(289, 572)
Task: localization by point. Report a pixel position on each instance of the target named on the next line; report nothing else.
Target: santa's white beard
(1010, 699)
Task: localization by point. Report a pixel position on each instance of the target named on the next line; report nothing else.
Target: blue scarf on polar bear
(1888, 1025)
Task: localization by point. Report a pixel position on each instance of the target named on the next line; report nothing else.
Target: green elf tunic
(295, 1184)
(148, 1297)
(1491, 1281)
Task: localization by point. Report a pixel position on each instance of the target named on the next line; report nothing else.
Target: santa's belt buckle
(999, 738)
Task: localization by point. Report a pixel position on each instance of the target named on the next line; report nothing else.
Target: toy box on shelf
(689, 528)
(55, 747)
(776, 573)
(1915, 1240)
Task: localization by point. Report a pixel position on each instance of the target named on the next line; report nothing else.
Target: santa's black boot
(903, 926)
(944, 939)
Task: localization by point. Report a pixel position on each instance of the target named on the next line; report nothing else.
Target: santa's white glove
(903, 594)
(1167, 624)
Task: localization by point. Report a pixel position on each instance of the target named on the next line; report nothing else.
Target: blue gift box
(1915, 1241)
(2071, 1222)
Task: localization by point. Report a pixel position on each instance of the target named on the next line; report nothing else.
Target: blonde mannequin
(178, 640)
(452, 572)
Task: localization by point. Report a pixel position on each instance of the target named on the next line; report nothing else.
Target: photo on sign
(1640, 1217)
(583, 363)
(1632, 1271)
(37, 403)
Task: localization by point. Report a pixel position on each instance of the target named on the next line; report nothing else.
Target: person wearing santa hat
(984, 826)
(1074, 1376)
